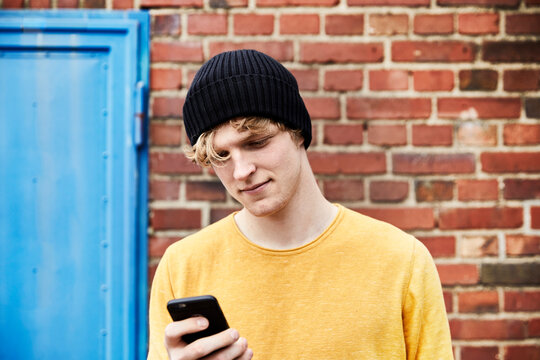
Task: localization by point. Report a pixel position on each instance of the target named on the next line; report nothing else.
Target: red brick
(344, 24)
(480, 218)
(458, 274)
(510, 162)
(348, 163)
(433, 80)
(478, 301)
(340, 52)
(448, 301)
(432, 135)
(165, 134)
(522, 352)
(388, 80)
(253, 24)
(477, 134)
(387, 135)
(207, 24)
(388, 24)
(534, 327)
(177, 51)
(479, 353)
(167, 107)
(482, 108)
(440, 246)
(403, 218)
(478, 80)
(500, 329)
(172, 163)
(434, 190)
(308, 79)
(227, 4)
(344, 189)
(343, 134)
(279, 50)
(93, 4)
(12, 4)
(521, 134)
(388, 191)
(433, 51)
(478, 24)
(171, 3)
(521, 189)
(275, 3)
(535, 217)
(388, 2)
(158, 245)
(470, 190)
(343, 80)
(165, 79)
(164, 190)
(430, 24)
(323, 107)
(523, 24)
(388, 108)
(63, 4)
(522, 245)
(205, 190)
(487, 3)
(218, 214)
(433, 163)
(166, 24)
(511, 51)
(532, 108)
(39, 4)
(522, 300)
(299, 24)
(479, 246)
(177, 219)
(521, 80)
(152, 267)
(122, 4)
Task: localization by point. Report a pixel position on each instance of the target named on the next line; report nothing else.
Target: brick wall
(426, 114)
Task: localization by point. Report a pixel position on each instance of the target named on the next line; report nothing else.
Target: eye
(223, 154)
(258, 143)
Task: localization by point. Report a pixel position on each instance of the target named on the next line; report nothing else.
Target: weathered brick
(348, 163)
(523, 300)
(388, 24)
(479, 246)
(521, 134)
(388, 108)
(164, 189)
(522, 352)
(227, 4)
(299, 24)
(207, 24)
(39, 4)
(499, 162)
(388, 2)
(458, 274)
(388, 80)
(434, 190)
(518, 24)
(433, 80)
(340, 52)
(388, 191)
(172, 163)
(475, 329)
(279, 50)
(339, 134)
(534, 327)
(480, 107)
(532, 108)
(344, 24)
(177, 219)
(171, 3)
(476, 134)
(522, 245)
(510, 274)
(205, 190)
(176, 51)
(432, 24)
(440, 246)
(166, 24)
(387, 135)
(165, 134)
(13, 4)
(274, 3)
(344, 189)
(521, 80)
(217, 214)
(165, 79)
(421, 163)
(472, 189)
(432, 135)
(478, 80)
(479, 353)
(93, 4)
(511, 51)
(490, 3)
(478, 302)
(480, 218)
(308, 79)
(521, 189)
(323, 107)
(535, 217)
(477, 23)
(433, 51)
(60, 4)
(158, 245)
(253, 24)
(403, 218)
(167, 107)
(448, 301)
(343, 80)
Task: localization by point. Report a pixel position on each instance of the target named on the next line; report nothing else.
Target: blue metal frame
(126, 197)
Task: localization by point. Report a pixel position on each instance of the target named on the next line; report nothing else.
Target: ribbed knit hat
(244, 83)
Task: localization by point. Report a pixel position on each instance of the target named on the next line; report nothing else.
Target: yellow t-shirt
(362, 290)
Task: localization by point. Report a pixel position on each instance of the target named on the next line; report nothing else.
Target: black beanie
(244, 83)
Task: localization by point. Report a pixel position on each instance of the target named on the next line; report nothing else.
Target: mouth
(255, 187)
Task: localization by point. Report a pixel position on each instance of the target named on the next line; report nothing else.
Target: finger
(205, 346)
(247, 355)
(233, 351)
(175, 330)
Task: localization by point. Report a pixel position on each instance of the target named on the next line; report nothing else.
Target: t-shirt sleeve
(159, 317)
(427, 333)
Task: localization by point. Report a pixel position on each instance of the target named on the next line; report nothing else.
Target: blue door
(73, 184)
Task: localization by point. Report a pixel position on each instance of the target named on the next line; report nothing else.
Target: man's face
(263, 171)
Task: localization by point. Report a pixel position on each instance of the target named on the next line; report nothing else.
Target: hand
(227, 345)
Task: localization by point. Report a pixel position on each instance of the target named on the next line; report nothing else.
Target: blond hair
(203, 152)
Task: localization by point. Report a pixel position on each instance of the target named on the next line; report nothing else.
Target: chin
(262, 210)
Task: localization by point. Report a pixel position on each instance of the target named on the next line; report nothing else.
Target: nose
(243, 166)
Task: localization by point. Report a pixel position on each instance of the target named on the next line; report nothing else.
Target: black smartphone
(206, 306)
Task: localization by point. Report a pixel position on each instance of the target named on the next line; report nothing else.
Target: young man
(297, 276)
